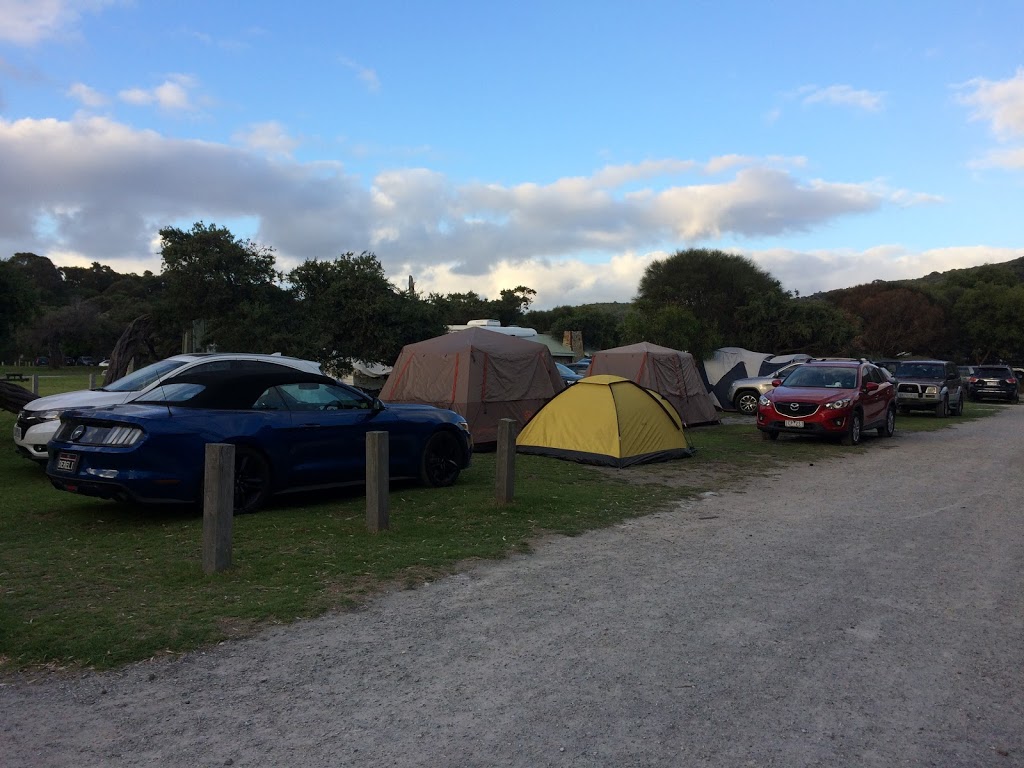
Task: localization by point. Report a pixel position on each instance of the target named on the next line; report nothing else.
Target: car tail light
(973, 380)
(1011, 380)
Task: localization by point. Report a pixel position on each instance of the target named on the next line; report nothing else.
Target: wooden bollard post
(378, 480)
(505, 474)
(35, 383)
(218, 506)
(92, 381)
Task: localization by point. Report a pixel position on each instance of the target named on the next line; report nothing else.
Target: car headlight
(49, 415)
(764, 401)
(931, 390)
(836, 405)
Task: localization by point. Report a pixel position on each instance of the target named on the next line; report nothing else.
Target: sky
(561, 145)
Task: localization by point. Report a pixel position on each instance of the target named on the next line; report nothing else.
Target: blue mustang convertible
(291, 431)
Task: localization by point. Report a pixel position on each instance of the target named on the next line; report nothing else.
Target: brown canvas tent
(669, 372)
(483, 375)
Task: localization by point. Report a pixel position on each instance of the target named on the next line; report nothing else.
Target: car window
(172, 393)
(321, 397)
(821, 376)
(142, 378)
(992, 372)
(920, 370)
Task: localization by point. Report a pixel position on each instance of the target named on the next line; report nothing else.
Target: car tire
(890, 423)
(442, 457)
(942, 409)
(746, 402)
(252, 480)
(852, 436)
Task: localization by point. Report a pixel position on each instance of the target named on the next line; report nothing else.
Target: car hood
(83, 398)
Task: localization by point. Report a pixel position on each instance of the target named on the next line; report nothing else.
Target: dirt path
(867, 611)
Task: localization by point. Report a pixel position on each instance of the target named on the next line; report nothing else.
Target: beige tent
(669, 372)
(483, 375)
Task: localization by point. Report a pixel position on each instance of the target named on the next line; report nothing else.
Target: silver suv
(40, 418)
(929, 385)
(744, 393)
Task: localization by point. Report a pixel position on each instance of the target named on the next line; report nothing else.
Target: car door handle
(311, 424)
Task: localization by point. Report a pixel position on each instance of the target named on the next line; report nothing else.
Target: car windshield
(920, 371)
(993, 372)
(821, 376)
(173, 393)
(142, 378)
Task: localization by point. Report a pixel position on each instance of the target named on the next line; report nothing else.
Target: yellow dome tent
(607, 420)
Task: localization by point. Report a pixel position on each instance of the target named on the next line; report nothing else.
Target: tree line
(343, 309)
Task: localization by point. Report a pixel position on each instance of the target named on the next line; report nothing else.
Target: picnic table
(15, 376)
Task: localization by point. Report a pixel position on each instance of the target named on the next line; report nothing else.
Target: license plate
(794, 423)
(67, 462)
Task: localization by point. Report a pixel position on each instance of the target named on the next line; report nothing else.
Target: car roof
(834, 363)
(233, 390)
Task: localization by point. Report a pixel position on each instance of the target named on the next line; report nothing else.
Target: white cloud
(26, 22)
(1011, 159)
(999, 102)
(89, 97)
(842, 95)
(170, 95)
(100, 189)
(270, 137)
(368, 76)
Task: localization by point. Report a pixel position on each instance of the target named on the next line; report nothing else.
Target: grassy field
(89, 583)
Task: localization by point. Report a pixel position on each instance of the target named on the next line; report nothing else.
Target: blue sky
(557, 145)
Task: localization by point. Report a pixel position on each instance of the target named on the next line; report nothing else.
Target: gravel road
(864, 611)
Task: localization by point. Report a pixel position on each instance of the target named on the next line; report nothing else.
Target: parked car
(966, 371)
(829, 398)
(105, 363)
(580, 366)
(86, 360)
(292, 430)
(39, 420)
(569, 376)
(41, 361)
(744, 393)
(994, 381)
(930, 385)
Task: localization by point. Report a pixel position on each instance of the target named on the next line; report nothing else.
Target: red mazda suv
(830, 398)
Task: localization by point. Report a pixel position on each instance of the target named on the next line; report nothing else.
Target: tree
(601, 329)
(670, 326)
(349, 311)
(784, 325)
(460, 308)
(41, 273)
(893, 319)
(513, 303)
(711, 285)
(19, 301)
(209, 273)
(991, 318)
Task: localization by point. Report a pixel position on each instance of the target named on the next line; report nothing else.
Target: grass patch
(90, 583)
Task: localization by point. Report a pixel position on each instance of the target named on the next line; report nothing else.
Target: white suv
(40, 418)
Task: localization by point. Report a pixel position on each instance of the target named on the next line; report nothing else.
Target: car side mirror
(871, 386)
(776, 382)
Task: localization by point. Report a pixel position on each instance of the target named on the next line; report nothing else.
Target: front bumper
(820, 424)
